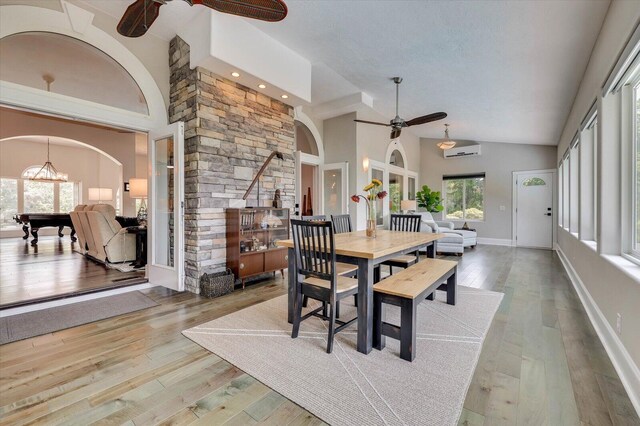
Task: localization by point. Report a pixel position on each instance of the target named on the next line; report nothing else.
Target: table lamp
(408, 206)
(138, 190)
(100, 194)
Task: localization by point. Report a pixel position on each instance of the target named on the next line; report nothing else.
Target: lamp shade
(409, 205)
(100, 194)
(137, 188)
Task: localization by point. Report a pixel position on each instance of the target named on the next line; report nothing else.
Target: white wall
(613, 290)
(498, 161)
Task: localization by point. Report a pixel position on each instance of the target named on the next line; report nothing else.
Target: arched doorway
(308, 177)
(143, 109)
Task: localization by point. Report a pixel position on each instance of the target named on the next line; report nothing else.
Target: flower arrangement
(374, 192)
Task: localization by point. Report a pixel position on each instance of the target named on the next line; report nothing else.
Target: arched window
(30, 171)
(396, 159)
(534, 181)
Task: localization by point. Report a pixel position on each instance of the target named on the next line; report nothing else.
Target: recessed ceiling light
(285, 96)
(235, 74)
(262, 86)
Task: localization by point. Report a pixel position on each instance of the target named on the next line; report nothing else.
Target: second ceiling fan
(397, 124)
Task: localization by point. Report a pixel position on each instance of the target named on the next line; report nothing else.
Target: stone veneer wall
(230, 130)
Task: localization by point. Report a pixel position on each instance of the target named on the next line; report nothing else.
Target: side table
(141, 245)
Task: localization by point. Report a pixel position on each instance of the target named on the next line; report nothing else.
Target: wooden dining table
(365, 252)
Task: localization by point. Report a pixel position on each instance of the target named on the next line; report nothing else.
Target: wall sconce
(365, 164)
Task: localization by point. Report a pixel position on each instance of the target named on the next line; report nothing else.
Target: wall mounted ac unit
(462, 151)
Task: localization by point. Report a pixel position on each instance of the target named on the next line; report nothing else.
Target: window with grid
(464, 197)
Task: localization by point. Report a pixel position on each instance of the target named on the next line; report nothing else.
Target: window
(38, 197)
(8, 202)
(560, 193)
(574, 196)
(534, 181)
(67, 197)
(396, 159)
(635, 242)
(396, 191)
(464, 197)
(379, 174)
(566, 169)
(411, 190)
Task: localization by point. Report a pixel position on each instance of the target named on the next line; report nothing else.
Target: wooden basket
(217, 284)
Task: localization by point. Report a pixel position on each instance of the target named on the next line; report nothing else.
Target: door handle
(547, 214)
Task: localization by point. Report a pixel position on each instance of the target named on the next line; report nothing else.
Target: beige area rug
(350, 388)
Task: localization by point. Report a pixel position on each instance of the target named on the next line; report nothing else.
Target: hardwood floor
(541, 362)
(51, 269)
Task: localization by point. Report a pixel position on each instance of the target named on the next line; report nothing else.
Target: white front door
(534, 209)
(335, 187)
(166, 207)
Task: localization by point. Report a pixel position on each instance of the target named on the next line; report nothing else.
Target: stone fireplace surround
(230, 130)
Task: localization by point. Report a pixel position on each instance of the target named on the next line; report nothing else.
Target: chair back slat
(314, 248)
(405, 222)
(341, 223)
(318, 217)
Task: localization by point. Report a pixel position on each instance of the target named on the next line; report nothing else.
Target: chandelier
(48, 172)
(446, 143)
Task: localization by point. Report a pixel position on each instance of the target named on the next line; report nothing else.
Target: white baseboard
(495, 241)
(75, 299)
(620, 358)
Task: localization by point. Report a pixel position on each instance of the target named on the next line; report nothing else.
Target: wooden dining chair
(403, 223)
(341, 223)
(317, 276)
(315, 218)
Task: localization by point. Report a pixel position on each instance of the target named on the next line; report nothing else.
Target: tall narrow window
(574, 195)
(8, 202)
(67, 197)
(635, 243)
(561, 194)
(464, 197)
(379, 174)
(396, 192)
(566, 170)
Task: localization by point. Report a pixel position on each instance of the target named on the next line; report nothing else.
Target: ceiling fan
(397, 124)
(142, 13)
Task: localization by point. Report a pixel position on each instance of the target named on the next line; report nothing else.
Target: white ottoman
(452, 243)
(470, 238)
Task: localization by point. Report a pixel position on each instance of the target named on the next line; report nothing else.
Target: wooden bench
(407, 289)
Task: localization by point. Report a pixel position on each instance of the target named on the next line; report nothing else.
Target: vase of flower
(371, 220)
(373, 193)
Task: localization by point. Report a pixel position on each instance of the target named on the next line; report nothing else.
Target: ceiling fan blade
(395, 133)
(373, 122)
(264, 10)
(138, 18)
(427, 118)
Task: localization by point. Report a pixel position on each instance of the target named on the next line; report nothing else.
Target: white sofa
(455, 240)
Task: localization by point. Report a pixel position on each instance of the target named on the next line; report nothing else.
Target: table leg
(452, 288)
(73, 235)
(291, 272)
(365, 305)
(25, 229)
(431, 250)
(60, 228)
(34, 234)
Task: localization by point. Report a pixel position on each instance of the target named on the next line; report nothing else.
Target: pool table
(43, 220)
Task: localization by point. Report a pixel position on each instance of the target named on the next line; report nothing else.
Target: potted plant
(429, 200)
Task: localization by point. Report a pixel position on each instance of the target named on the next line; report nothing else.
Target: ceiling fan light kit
(397, 124)
(446, 143)
(141, 14)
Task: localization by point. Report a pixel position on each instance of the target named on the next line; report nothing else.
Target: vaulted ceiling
(504, 71)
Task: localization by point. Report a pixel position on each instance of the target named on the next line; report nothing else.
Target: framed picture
(126, 187)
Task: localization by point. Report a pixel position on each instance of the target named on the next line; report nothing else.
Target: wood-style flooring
(51, 270)
(541, 362)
